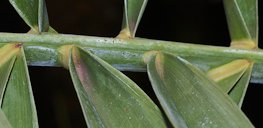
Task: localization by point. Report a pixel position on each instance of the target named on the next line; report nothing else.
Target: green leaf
(5, 70)
(107, 97)
(8, 55)
(4, 123)
(133, 11)
(33, 12)
(43, 23)
(242, 17)
(238, 92)
(185, 91)
(18, 103)
(233, 78)
(227, 75)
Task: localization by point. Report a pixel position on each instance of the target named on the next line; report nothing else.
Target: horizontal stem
(125, 54)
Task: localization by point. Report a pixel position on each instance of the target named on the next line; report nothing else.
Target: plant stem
(125, 54)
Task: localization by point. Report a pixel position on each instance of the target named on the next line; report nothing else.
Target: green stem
(125, 54)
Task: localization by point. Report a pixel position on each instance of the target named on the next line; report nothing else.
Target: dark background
(192, 21)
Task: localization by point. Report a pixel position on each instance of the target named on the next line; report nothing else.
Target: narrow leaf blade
(167, 103)
(238, 92)
(5, 70)
(108, 98)
(43, 22)
(8, 55)
(18, 103)
(180, 87)
(133, 11)
(242, 17)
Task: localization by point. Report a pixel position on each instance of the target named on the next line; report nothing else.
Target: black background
(192, 21)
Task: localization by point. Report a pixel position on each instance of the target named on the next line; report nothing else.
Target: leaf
(238, 92)
(228, 74)
(5, 70)
(242, 17)
(185, 91)
(33, 12)
(18, 103)
(107, 97)
(8, 56)
(43, 23)
(233, 78)
(4, 123)
(133, 11)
